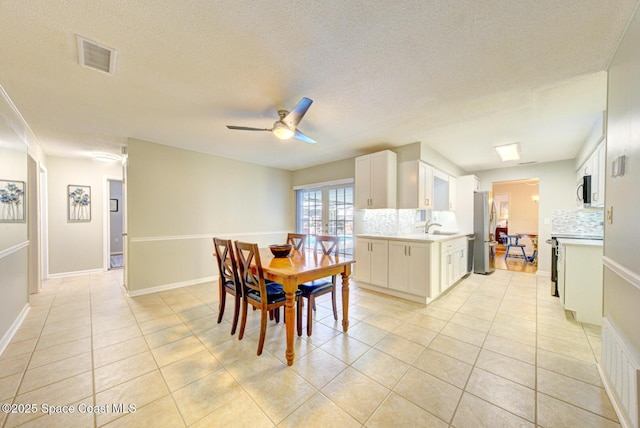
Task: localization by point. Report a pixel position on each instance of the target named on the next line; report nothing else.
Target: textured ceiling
(460, 76)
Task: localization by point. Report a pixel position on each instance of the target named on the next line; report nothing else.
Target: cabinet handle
(409, 251)
(405, 250)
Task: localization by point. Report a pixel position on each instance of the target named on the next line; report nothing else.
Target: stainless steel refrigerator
(484, 224)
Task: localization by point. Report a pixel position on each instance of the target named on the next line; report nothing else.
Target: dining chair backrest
(251, 278)
(298, 240)
(328, 244)
(227, 266)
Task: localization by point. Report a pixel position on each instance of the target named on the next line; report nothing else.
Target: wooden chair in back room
(228, 279)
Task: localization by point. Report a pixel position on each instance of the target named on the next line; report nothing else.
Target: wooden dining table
(300, 267)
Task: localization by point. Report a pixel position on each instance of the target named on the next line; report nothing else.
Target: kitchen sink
(437, 232)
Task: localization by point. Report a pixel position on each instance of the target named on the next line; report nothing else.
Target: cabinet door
(425, 186)
(398, 265)
(380, 187)
(363, 257)
(363, 182)
(598, 189)
(453, 193)
(418, 269)
(379, 262)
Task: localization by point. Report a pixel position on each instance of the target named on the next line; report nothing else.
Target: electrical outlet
(610, 215)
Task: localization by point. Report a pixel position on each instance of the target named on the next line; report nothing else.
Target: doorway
(517, 225)
(116, 222)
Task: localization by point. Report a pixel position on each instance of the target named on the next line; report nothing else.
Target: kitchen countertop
(570, 241)
(418, 237)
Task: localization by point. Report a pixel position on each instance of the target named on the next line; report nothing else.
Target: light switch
(610, 215)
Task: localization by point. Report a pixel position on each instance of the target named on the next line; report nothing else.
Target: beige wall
(337, 170)
(77, 247)
(13, 236)
(621, 238)
(556, 188)
(523, 211)
(178, 200)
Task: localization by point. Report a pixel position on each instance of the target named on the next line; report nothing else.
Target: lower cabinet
(372, 261)
(414, 270)
(409, 267)
(580, 281)
(453, 262)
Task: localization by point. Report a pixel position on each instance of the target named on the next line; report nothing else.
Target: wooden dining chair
(298, 240)
(228, 279)
(328, 246)
(256, 291)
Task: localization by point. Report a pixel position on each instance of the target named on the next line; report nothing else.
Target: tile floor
(495, 351)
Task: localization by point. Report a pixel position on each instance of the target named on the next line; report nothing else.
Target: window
(326, 210)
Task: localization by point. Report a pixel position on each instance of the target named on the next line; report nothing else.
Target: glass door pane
(326, 211)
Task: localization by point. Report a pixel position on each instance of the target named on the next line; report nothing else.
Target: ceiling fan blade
(301, 137)
(295, 116)
(246, 128)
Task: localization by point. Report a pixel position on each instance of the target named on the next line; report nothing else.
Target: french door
(326, 211)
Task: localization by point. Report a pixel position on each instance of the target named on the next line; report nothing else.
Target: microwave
(583, 191)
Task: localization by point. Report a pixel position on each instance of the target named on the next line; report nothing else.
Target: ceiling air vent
(95, 56)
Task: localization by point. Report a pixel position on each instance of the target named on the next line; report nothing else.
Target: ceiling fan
(286, 127)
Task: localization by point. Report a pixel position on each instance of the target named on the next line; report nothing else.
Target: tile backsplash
(392, 222)
(587, 222)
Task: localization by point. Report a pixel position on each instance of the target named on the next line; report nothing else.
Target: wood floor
(512, 263)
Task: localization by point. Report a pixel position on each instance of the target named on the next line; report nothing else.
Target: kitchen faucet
(429, 225)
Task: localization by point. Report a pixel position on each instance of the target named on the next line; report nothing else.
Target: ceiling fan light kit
(282, 131)
(286, 127)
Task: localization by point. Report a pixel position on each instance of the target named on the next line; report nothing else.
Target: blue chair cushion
(230, 285)
(316, 286)
(275, 293)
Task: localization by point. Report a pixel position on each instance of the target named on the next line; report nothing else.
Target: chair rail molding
(14, 249)
(626, 274)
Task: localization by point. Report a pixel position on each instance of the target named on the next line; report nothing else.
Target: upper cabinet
(376, 177)
(441, 193)
(422, 187)
(415, 185)
(452, 193)
(595, 166)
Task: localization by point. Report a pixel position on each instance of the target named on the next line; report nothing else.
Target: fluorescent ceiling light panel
(106, 157)
(508, 152)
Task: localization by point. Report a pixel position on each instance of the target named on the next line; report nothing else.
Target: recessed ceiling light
(508, 152)
(106, 157)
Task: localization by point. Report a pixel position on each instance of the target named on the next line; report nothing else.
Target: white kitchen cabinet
(453, 262)
(580, 280)
(376, 178)
(415, 185)
(453, 195)
(595, 166)
(372, 261)
(597, 184)
(409, 267)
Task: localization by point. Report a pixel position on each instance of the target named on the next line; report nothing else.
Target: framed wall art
(79, 203)
(12, 209)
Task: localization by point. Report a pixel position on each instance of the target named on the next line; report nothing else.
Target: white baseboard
(77, 273)
(134, 293)
(6, 339)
